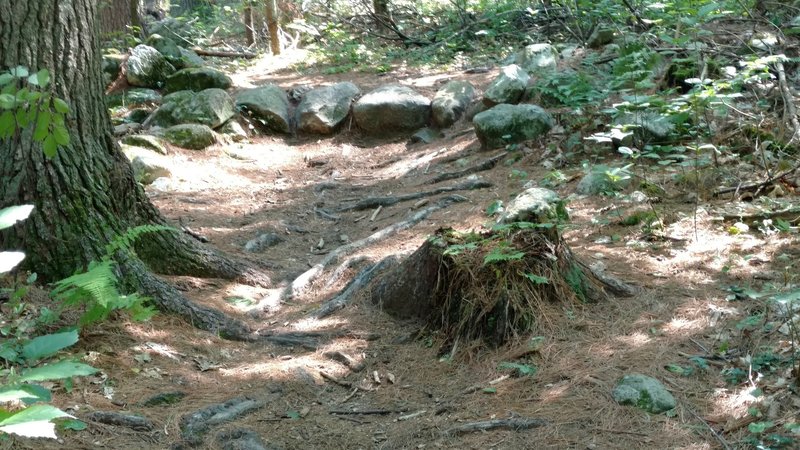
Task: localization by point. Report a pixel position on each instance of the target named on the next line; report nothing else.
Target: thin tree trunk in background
(381, 9)
(249, 31)
(271, 12)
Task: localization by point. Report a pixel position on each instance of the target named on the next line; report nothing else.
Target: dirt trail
(233, 193)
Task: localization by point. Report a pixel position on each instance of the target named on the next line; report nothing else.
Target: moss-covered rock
(191, 136)
(197, 79)
(211, 107)
(269, 104)
(145, 141)
(510, 124)
(148, 68)
(133, 97)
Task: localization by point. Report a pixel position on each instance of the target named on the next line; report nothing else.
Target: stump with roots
(491, 285)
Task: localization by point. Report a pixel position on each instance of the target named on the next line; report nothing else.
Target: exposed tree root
(195, 425)
(485, 165)
(302, 283)
(374, 202)
(178, 254)
(168, 299)
(347, 294)
(514, 423)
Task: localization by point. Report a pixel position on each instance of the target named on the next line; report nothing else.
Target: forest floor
(411, 396)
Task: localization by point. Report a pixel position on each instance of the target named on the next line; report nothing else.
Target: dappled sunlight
(635, 340)
(314, 324)
(684, 327)
(733, 402)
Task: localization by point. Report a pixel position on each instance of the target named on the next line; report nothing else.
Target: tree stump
(489, 285)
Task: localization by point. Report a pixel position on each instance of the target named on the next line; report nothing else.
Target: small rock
(535, 205)
(146, 67)
(426, 135)
(600, 37)
(536, 59)
(269, 104)
(145, 141)
(643, 392)
(191, 135)
(262, 242)
(197, 79)
(390, 109)
(451, 102)
(509, 124)
(508, 87)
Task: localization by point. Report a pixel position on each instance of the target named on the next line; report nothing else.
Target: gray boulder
(153, 143)
(508, 87)
(451, 102)
(197, 79)
(147, 67)
(137, 115)
(644, 392)
(211, 107)
(111, 64)
(322, 110)
(537, 59)
(600, 37)
(391, 109)
(268, 104)
(147, 165)
(166, 47)
(133, 97)
(191, 135)
(535, 205)
(510, 124)
(190, 59)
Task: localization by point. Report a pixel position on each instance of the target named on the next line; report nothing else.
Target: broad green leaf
(19, 71)
(24, 117)
(7, 101)
(6, 78)
(50, 146)
(57, 371)
(33, 421)
(61, 135)
(9, 260)
(73, 424)
(13, 214)
(60, 106)
(41, 132)
(7, 124)
(494, 208)
(24, 392)
(48, 344)
(43, 76)
(523, 370)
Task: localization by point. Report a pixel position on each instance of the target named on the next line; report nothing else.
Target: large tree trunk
(86, 195)
(271, 13)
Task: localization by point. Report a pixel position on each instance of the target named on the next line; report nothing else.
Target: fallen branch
(223, 54)
(374, 202)
(485, 165)
(366, 412)
(515, 424)
(343, 298)
(304, 281)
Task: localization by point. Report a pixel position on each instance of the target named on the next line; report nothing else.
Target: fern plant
(97, 290)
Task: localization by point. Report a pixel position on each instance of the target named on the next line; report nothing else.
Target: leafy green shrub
(24, 101)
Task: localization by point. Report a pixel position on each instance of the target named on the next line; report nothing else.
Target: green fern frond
(125, 241)
(98, 283)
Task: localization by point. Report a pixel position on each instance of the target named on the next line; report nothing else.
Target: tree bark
(86, 195)
(271, 12)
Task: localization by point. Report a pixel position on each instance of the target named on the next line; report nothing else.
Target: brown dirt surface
(234, 192)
